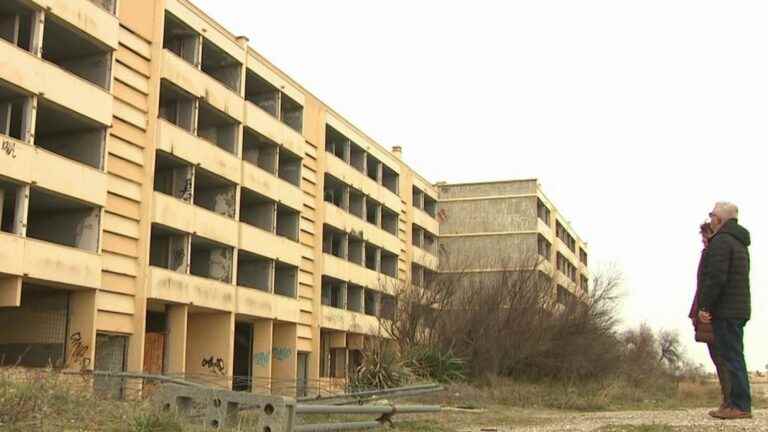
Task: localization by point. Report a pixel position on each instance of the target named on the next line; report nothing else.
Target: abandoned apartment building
(173, 203)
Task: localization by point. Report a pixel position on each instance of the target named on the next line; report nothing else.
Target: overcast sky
(635, 116)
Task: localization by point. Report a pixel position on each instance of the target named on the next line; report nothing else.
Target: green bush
(430, 362)
(381, 368)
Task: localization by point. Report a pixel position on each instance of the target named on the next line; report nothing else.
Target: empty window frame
(336, 143)
(260, 151)
(390, 179)
(173, 176)
(583, 257)
(417, 275)
(291, 113)
(177, 106)
(289, 167)
(255, 271)
(257, 210)
(371, 302)
(584, 283)
(334, 242)
(15, 112)
(286, 279)
(372, 212)
(333, 292)
(387, 307)
(169, 249)
(542, 211)
(357, 203)
(430, 205)
(565, 236)
(357, 157)
(11, 209)
(287, 222)
(417, 197)
(214, 193)
(181, 39)
(107, 5)
(389, 263)
(356, 247)
(211, 260)
(76, 52)
(335, 192)
(544, 247)
(389, 221)
(417, 236)
(566, 268)
(65, 221)
(373, 168)
(372, 257)
(217, 127)
(221, 66)
(355, 298)
(430, 242)
(261, 93)
(69, 134)
(17, 24)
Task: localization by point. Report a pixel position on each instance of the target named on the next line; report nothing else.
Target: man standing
(725, 302)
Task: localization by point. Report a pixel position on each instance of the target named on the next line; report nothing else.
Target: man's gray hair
(726, 210)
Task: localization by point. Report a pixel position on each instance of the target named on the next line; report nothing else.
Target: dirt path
(630, 421)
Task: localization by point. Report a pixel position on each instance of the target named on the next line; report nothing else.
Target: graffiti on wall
(9, 148)
(261, 359)
(79, 350)
(282, 353)
(216, 366)
(186, 193)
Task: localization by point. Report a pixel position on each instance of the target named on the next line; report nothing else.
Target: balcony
(348, 321)
(264, 123)
(86, 16)
(346, 271)
(264, 305)
(269, 245)
(347, 223)
(168, 285)
(422, 219)
(182, 216)
(349, 175)
(271, 186)
(197, 151)
(44, 261)
(35, 75)
(201, 85)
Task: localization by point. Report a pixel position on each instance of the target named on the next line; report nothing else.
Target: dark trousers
(729, 346)
(722, 373)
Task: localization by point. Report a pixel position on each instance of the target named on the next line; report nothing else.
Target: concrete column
(338, 341)
(262, 356)
(210, 347)
(22, 207)
(81, 342)
(10, 291)
(284, 358)
(176, 340)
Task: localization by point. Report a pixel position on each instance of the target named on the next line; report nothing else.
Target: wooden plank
(154, 348)
(120, 245)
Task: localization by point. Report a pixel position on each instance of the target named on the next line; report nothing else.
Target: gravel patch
(679, 420)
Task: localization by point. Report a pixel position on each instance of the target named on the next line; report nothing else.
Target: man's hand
(705, 317)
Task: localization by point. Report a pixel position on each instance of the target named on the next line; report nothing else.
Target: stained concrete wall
(522, 187)
(487, 252)
(489, 215)
(210, 346)
(284, 358)
(262, 355)
(75, 228)
(176, 340)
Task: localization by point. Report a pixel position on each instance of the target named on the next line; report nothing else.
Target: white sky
(635, 116)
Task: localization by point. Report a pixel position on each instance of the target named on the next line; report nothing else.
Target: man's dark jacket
(725, 279)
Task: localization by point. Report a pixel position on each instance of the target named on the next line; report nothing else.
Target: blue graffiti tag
(280, 353)
(261, 359)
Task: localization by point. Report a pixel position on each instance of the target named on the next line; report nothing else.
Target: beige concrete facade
(162, 182)
(488, 227)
